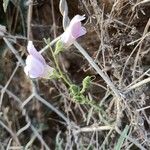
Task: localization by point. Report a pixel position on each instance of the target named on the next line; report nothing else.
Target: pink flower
(35, 64)
(73, 31)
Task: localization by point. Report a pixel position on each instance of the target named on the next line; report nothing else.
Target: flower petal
(76, 19)
(73, 31)
(48, 71)
(34, 68)
(32, 51)
(75, 25)
(67, 37)
(82, 31)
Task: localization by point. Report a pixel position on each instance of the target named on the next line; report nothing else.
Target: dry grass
(41, 114)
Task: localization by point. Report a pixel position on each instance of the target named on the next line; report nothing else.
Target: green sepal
(55, 75)
(59, 47)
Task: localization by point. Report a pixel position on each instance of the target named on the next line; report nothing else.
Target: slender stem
(57, 66)
(49, 44)
(94, 128)
(29, 19)
(137, 85)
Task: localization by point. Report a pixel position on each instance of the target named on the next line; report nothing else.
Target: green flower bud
(85, 84)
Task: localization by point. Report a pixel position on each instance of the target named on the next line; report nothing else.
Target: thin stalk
(59, 70)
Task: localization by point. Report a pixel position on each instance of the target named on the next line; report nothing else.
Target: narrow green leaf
(74, 90)
(122, 138)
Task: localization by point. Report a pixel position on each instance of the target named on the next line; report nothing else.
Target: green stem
(82, 91)
(57, 66)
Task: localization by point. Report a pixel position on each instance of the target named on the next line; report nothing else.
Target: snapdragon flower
(35, 64)
(73, 31)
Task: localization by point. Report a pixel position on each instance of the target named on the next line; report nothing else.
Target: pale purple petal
(32, 51)
(73, 31)
(48, 71)
(26, 70)
(75, 25)
(82, 31)
(76, 19)
(34, 68)
(35, 64)
(67, 37)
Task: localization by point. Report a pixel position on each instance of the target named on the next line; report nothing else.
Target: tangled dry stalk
(39, 114)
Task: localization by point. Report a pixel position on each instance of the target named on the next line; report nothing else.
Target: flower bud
(35, 64)
(73, 31)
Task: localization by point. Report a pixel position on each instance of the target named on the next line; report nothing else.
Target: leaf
(122, 138)
(74, 90)
(5, 5)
